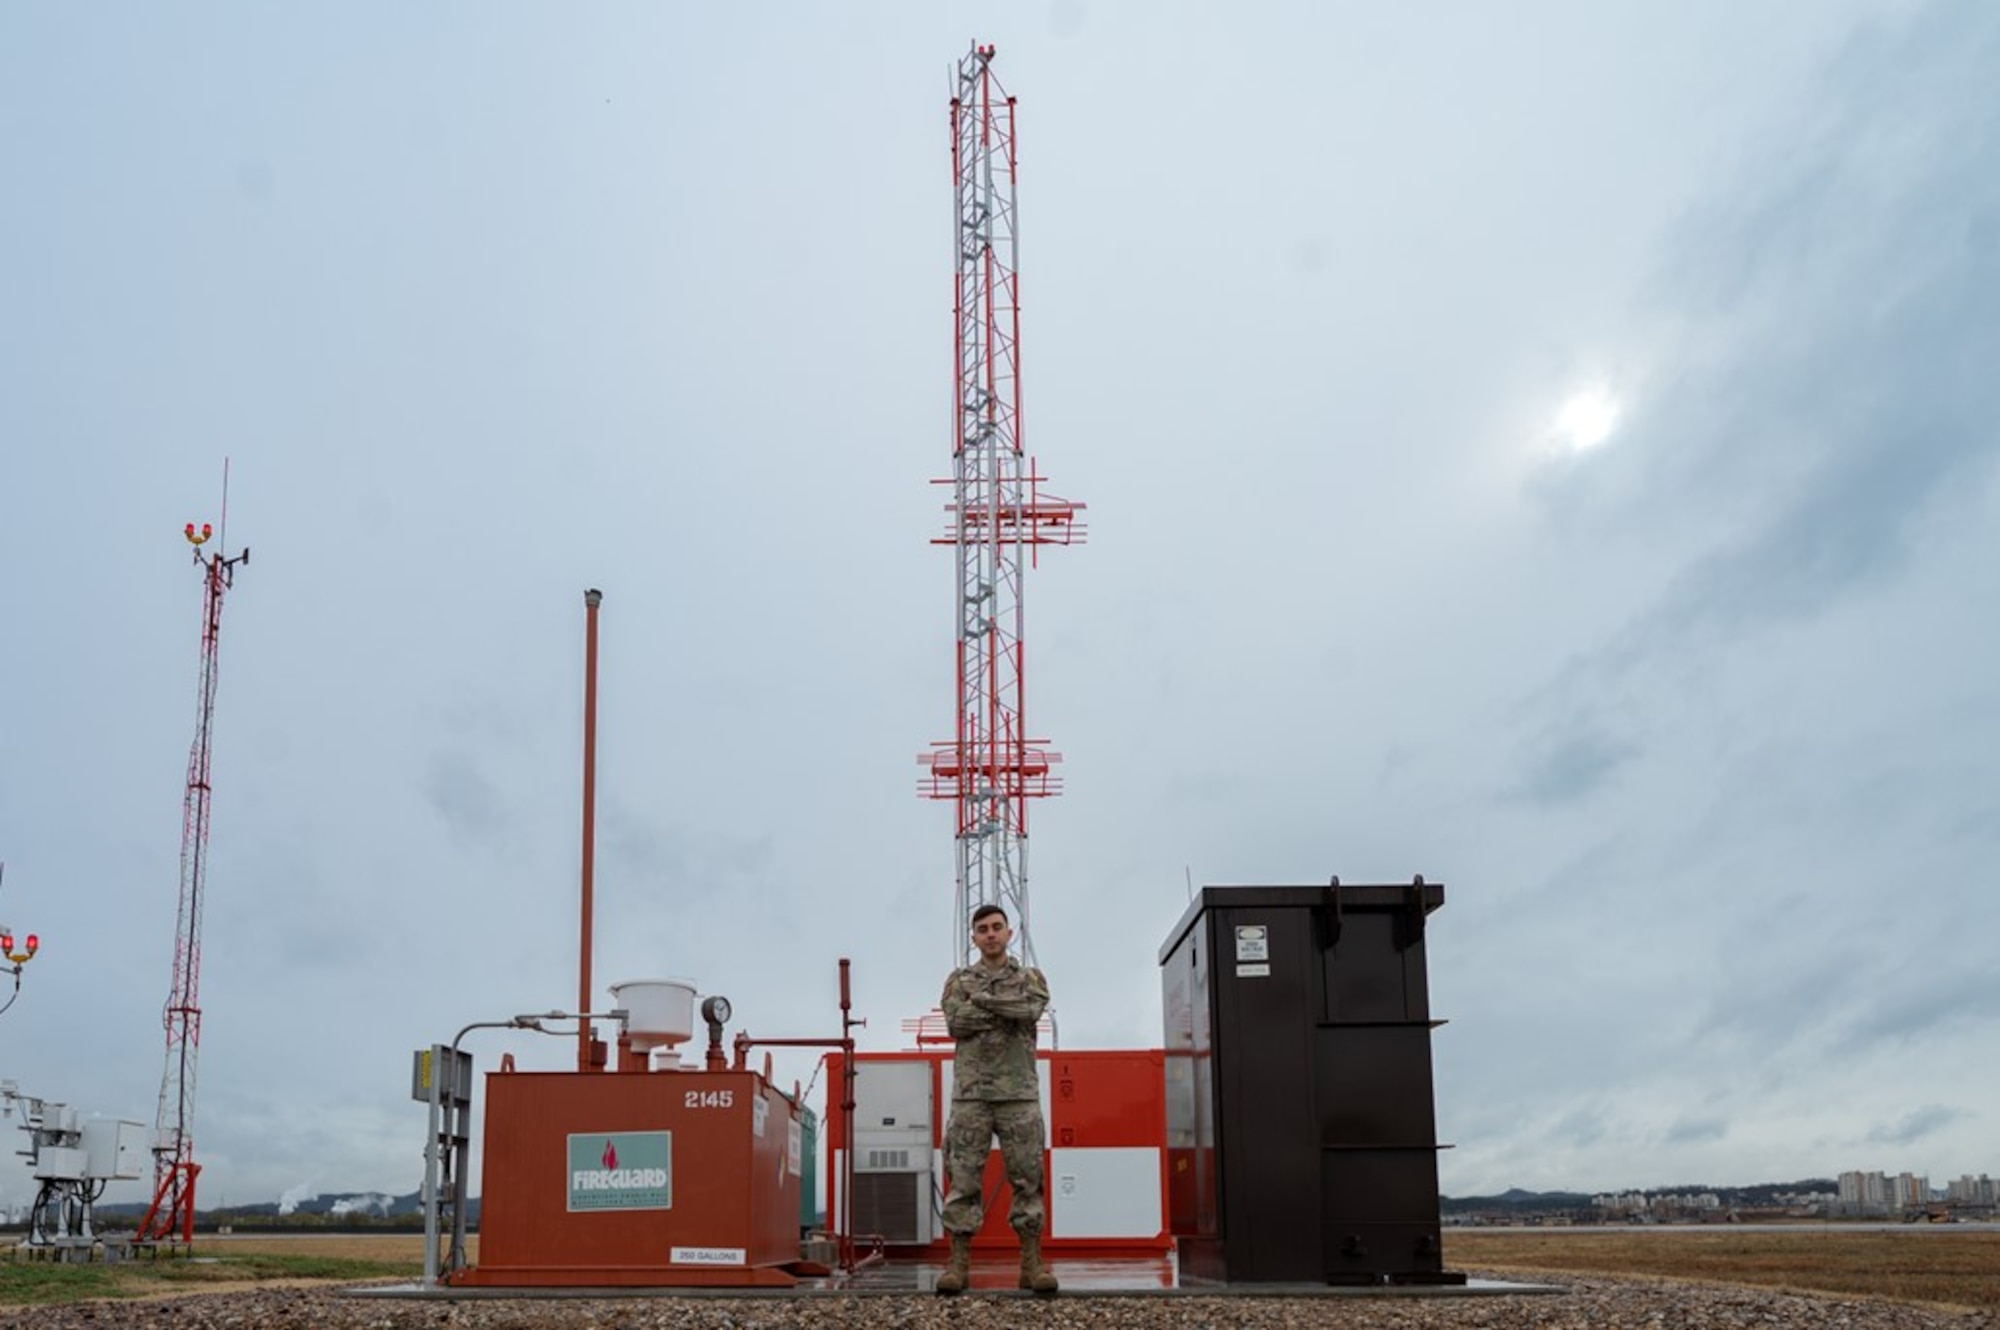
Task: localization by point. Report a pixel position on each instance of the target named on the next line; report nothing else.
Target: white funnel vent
(662, 1011)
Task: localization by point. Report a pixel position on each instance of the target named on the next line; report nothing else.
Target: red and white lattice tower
(170, 1217)
(1000, 516)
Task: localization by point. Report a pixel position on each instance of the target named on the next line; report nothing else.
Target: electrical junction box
(114, 1148)
(59, 1163)
(1103, 1193)
(1301, 1125)
(893, 1135)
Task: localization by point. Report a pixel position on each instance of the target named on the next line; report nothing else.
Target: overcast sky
(1547, 447)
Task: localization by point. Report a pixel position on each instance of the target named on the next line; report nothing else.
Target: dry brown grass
(356, 1246)
(1914, 1264)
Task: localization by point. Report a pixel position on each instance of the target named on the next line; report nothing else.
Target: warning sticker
(1252, 943)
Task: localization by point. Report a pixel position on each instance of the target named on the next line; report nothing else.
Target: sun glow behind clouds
(1586, 419)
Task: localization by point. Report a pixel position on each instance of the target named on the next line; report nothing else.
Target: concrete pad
(992, 1277)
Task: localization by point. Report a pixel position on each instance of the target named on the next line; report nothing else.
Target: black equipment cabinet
(1301, 1128)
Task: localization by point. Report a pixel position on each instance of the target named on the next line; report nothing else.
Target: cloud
(645, 849)
(1690, 1131)
(1762, 697)
(1850, 523)
(1581, 1127)
(1570, 759)
(1830, 395)
(471, 805)
(1916, 1125)
(1915, 998)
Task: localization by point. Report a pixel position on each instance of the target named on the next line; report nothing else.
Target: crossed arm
(970, 1009)
(961, 1017)
(1026, 1008)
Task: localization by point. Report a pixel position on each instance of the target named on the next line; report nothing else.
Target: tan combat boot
(958, 1272)
(1035, 1275)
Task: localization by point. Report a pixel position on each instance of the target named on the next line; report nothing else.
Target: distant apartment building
(1880, 1194)
(1870, 1193)
(1816, 1201)
(1858, 1194)
(1666, 1206)
(1693, 1202)
(1864, 1193)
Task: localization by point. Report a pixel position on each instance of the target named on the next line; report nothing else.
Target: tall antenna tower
(174, 1169)
(1000, 517)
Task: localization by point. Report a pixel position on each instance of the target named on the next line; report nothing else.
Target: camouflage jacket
(991, 1011)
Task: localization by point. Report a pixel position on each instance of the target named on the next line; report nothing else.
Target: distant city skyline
(1856, 1187)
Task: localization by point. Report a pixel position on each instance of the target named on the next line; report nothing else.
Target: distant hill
(1515, 1199)
(1756, 1192)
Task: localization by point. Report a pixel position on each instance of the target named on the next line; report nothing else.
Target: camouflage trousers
(967, 1139)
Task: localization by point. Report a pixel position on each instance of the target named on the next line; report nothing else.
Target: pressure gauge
(715, 1010)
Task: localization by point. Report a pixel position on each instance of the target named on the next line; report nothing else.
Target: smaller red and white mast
(170, 1217)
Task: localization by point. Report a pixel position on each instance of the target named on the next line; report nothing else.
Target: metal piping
(844, 1228)
(585, 1032)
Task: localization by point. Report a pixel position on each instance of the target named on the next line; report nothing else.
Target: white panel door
(1113, 1192)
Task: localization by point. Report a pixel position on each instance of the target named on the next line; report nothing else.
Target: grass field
(1914, 1265)
(220, 1265)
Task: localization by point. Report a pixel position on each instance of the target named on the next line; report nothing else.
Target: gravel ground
(1589, 1303)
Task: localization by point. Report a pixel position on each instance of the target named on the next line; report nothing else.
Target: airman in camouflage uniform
(991, 1008)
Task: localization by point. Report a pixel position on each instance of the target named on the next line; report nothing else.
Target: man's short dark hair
(986, 909)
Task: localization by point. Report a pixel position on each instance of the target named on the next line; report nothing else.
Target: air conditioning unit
(896, 1206)
(894, 1194)
(888, 1159)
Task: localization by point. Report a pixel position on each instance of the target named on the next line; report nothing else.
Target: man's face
(991, 935)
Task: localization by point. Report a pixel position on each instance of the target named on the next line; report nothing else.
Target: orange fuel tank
(655, 1180)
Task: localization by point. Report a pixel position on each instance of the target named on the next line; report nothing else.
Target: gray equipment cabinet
(1301, 1130)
